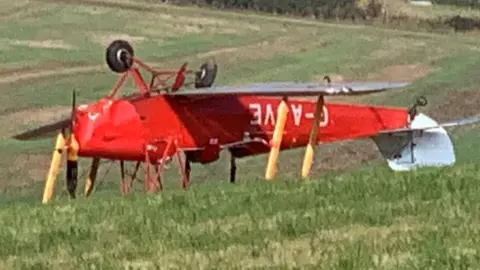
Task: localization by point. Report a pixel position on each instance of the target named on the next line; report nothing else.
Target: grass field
(353, 214)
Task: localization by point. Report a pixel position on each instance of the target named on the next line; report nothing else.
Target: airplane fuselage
(122, 129)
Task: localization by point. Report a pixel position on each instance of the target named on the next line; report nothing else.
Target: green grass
(368, 219)
(354, 213)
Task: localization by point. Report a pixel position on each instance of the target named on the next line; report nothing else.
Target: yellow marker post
(92, 176)
(54, 165)
(282, 113)
(312, 140)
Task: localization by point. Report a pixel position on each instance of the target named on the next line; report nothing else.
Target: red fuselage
(120, 129)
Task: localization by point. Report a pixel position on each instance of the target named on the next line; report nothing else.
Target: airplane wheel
(422, 101)
(119, 56)
(206, 75)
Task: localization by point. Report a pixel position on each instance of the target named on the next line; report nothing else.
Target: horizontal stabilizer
(425, 143)
(421, 123)
(295, 89)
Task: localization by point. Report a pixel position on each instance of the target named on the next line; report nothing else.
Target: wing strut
(277, 139)
(312, 140)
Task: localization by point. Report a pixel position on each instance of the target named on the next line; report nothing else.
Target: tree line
(354, 10)
(319, 9)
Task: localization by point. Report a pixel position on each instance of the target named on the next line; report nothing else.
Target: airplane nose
(106, 121)
(84, 123)
(80, 126)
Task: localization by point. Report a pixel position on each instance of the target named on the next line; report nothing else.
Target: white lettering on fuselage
(257, 114)
(270, 113)
(297, 114)
(269, 116)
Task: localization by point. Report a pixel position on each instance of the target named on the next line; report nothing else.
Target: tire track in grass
(19, 75)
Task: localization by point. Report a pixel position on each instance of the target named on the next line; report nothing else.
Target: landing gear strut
(188, 168)
(233, 169)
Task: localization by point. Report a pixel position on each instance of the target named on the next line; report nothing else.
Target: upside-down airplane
(163, 121)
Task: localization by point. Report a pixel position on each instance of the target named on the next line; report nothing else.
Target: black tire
(421, 101)
(119, 56)
(205, 77)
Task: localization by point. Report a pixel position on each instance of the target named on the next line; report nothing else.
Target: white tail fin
(424, 143)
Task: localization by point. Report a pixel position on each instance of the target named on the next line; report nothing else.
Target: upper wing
(295, 89)
(43, 131)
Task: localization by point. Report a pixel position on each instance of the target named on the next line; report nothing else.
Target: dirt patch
(458, 104)
(35, 117)
(106, 38)
(347, 155)
(401, 73)
(43, 44)
(14, 70)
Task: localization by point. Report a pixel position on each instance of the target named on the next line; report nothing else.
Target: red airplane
(161, 122)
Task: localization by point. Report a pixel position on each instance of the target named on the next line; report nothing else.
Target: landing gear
(206, 75)
(119, 56)
(72, 172)
(421, 101)
(233, 169)
(188, 168)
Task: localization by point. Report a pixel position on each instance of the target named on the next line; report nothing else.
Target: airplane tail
(424, 143)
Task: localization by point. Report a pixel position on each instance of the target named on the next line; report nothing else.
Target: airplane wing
(43, 131)
(295, 89)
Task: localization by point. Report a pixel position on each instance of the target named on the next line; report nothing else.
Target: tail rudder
(423, 143)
